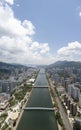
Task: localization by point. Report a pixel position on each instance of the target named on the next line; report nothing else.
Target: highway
(61, 110)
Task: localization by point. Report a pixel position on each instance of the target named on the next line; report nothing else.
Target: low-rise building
(60, 90)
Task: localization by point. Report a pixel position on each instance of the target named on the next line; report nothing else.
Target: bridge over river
(39, 112)
(41, 87)
(39, 108)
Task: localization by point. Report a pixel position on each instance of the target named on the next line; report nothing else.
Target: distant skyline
(40, 31)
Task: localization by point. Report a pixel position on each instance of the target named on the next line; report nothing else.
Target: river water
(40, 97)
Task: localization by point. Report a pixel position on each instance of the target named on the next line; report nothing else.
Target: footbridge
(39, 108)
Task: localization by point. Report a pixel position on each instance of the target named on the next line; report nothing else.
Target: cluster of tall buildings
(7, 86)
(69, 78)
(4, 100)
(21, 74)
(71, 106)
(73, 91)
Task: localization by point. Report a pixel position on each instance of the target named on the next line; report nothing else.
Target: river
(40, 97)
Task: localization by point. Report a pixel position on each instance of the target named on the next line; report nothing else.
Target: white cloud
(41, 48)
(16, 44)
(9, 25)
(11, 2)
(80, 14)
(70, 52)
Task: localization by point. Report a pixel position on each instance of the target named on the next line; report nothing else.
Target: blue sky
(48, 31)
(56, 22)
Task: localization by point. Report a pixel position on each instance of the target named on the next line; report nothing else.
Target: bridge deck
(39, 108)
(41, 87)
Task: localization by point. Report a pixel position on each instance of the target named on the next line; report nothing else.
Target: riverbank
(21, 113)
(65, 122)
(55, 105)
(40, 97)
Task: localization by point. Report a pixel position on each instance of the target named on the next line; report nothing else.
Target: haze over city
(40, 32)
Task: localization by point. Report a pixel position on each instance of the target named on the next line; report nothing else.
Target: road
(62, 112)
(63, 115)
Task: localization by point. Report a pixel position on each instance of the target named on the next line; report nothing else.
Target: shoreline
(52, 99)
(21, 113)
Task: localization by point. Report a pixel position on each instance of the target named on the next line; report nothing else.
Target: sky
(40, 31)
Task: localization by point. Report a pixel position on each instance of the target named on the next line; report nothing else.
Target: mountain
(60, 62)
(7, 65)
(63, 64)
(6, 69)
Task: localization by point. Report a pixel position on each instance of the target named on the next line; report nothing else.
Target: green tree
(76, 126)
